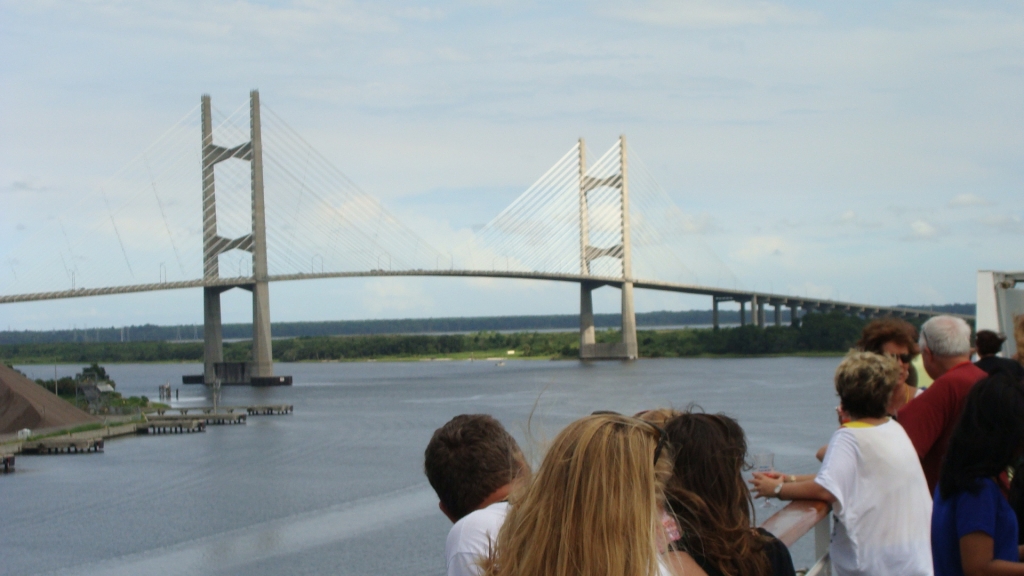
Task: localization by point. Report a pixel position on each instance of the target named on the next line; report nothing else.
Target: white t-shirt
(471, 538)
(883, 508)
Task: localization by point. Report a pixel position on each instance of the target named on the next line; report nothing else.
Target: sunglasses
(904, 358)
(662, 437)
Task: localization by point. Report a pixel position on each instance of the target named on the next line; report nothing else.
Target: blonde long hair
(592, 508)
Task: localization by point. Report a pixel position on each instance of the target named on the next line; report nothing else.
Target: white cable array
(117, 233)
(540, 230)
(319, 220)
(668, 244)
(145, 224)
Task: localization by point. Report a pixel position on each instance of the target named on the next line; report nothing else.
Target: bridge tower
(626, 349)
(261, 369)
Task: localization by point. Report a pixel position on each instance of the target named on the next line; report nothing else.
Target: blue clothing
(964, 513)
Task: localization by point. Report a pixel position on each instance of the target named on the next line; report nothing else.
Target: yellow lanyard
(858, 424)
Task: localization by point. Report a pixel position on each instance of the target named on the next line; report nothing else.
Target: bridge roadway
(718, 294)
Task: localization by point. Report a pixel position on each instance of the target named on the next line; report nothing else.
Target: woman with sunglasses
(897, 339)
(974, 529)
(594, 506)
(711, 502)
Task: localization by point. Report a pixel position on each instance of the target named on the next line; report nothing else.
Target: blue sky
(866, 151)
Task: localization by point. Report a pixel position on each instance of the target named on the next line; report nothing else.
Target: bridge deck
(723, 294)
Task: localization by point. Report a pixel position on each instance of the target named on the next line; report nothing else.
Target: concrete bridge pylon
(261, 367)
(626, 348)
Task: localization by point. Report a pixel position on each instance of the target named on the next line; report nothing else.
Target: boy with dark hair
(472, 462)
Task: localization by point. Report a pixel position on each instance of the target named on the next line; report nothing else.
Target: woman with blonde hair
(594, 507)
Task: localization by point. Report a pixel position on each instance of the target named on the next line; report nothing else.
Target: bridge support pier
(778, 314)
(587, 332)
(714, 312)
(213, 334)
(627, 347)
(743, 313)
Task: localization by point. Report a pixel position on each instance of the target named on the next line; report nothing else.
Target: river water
(338, 487)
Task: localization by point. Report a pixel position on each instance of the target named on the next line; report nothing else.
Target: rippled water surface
(337, 487)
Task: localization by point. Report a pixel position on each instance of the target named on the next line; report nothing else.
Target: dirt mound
(25, 404)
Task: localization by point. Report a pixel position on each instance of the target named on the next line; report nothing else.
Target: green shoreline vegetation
(107, 403)
(817, 334)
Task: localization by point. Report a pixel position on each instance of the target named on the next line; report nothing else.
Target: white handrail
(823, 567)
(797, 519)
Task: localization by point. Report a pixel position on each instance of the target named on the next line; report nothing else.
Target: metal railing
(797, 519)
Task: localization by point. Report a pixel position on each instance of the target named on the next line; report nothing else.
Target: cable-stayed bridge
(239, 200)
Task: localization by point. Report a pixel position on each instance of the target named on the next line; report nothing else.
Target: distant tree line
(817, 333)
(192, 332)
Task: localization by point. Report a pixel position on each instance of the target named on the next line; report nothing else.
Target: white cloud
(851, 218)
(921, 230)
(710, 13)
(702, 223)
(1005, 223)
(421, 13)
(390, 296)
(963, 200)
(757, 247)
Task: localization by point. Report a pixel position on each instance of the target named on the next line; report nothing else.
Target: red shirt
(929, 419)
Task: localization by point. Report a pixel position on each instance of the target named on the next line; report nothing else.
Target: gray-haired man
(929, 419)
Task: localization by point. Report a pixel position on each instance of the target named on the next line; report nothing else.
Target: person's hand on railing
(789, 487)
(767, 484)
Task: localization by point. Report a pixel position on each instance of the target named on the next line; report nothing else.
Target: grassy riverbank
(818, 333)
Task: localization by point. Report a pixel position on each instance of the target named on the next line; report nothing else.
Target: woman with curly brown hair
(897, 339)
(711, 502)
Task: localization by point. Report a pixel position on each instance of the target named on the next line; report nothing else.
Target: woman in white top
(872, 477)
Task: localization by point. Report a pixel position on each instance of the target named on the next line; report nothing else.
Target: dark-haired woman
(711, 502)
(974, 529)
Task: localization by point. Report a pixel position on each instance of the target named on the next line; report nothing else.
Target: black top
(779, 560)
(778, 555)
(994, 364)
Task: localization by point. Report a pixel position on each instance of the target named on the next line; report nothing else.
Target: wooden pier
(63, 445)
(91, 441)
(174, 426)
(258, 410)
(267, 410)
(207, 418)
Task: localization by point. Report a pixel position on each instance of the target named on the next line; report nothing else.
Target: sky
(864, 151)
